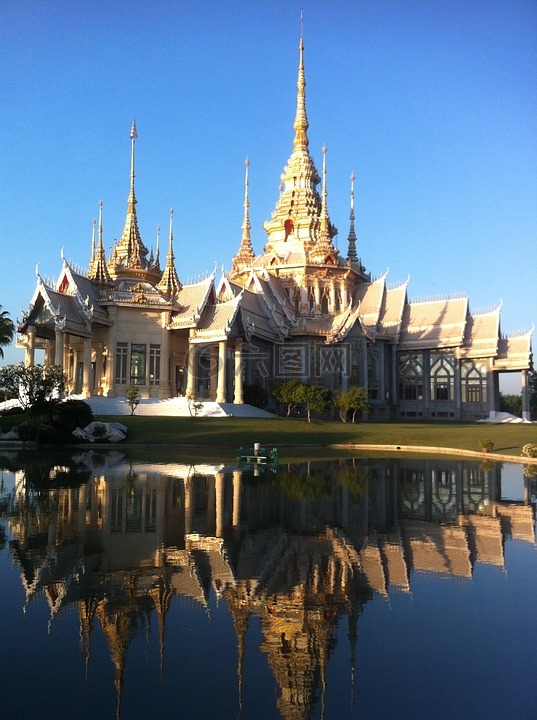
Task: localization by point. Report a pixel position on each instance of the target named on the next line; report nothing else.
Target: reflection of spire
(241, 615)
(353, 623)
(162, 595)
(86, 612)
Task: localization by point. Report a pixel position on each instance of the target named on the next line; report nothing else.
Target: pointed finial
(92, 256)
(351, 253)
(324, 211)
(301, 125)
(157, 256)
(171, 226)
(132, 197)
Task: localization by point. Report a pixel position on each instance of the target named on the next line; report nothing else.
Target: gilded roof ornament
(351, 253)
(169, 283)
(244, 258)
(98, 271)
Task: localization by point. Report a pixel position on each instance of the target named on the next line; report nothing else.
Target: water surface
(402, 588)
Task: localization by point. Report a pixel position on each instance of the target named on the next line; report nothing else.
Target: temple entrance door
(180, 380)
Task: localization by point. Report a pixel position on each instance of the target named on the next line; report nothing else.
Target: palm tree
(7, 330)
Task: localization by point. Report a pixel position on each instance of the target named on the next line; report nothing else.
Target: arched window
(474, 381)
(442, 376)
(411, 376)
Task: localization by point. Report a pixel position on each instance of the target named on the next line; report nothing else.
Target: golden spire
(99, 273)
(130, 253)
(157, 255)
(324, 212)
(324, 250)
(132, 197)
(169, 283)
(301, 141)
(92, 259)
(246, 227)
(351, 254)
(244, 258)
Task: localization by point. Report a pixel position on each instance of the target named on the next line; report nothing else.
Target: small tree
(133, 398)
(352, 400)
(37, 387)
(289, 393)
(315, 399)
(194, 405)
(357, 400)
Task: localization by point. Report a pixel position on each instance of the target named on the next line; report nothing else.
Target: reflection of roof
(437, 548)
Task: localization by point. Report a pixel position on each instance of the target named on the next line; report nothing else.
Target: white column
(58, 347)
(86, 382)
(97, 382)
(111, 356)
(164, 383)
(237, 485)
(526, 415)
(238, 372)
(221, 389)
(213, 371)
(191, 376)
(29, 355)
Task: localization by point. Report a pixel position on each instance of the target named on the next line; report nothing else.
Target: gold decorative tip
(134, 133)
(100, 203)
(353, 178)
(323, 150)
(247, 162)
(171, 211)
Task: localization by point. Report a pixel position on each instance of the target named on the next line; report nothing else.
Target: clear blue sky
(432, 104)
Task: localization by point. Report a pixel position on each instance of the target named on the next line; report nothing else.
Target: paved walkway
(170, 407)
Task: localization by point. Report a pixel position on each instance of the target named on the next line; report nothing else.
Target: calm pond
(402, 588)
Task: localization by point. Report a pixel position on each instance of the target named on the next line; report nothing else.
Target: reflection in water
(302, 550)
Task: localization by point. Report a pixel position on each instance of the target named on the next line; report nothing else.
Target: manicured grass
(223, 436)
(231, 433)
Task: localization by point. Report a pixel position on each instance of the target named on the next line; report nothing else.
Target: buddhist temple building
(298, 308)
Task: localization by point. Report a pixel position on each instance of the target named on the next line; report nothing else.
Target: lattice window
(442, 376)
(474, 381)
(121, 363)
(411, 376)
(154, 364)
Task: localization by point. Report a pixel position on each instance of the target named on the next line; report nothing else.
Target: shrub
(74, 413)
(529, 450)
(486, 444)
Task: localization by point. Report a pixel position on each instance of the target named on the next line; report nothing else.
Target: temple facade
(297, 310)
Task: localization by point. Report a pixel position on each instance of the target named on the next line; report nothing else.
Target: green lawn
(231, 433)
(226, 435)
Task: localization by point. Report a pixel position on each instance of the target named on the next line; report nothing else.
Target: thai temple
(299, 309)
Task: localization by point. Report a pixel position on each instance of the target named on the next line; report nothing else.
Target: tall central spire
(132, 197)
(130, 254)
(301, 125)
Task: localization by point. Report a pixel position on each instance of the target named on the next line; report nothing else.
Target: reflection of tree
(299, 485)
(353, 478)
